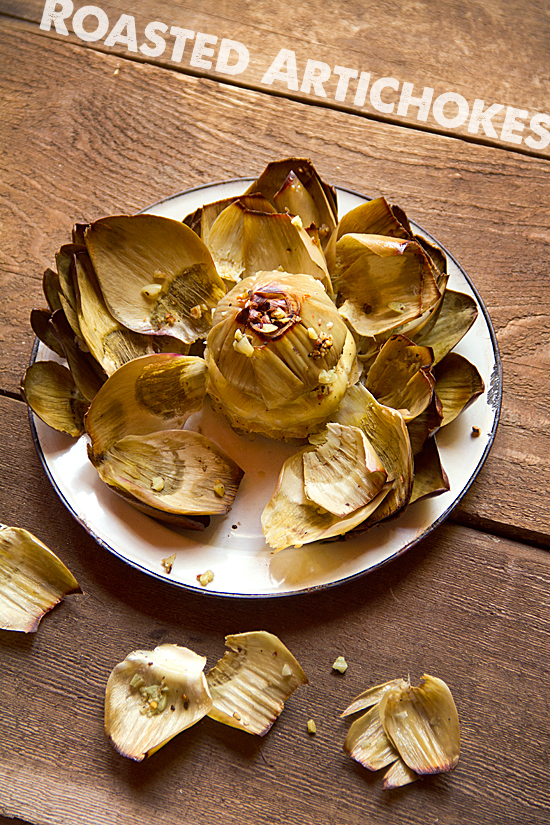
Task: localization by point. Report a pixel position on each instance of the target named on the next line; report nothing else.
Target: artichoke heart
(152, 696)
(252, 681)
(32, 580)
(298, 358)
(156, 275)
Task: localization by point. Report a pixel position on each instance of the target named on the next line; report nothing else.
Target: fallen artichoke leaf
(252, 681)
(152, 696)
(415, 728)
(32, 580)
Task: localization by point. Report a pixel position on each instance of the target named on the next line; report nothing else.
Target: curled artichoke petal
(176, 472)
(152, 696)
(50, 391)
(155, 274)
(32, 580)
(252, 681)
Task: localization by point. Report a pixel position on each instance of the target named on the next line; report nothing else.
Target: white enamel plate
(233, 546)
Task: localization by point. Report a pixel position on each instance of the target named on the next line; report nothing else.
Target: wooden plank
(473, 50)
(111, 143)
(465, 606)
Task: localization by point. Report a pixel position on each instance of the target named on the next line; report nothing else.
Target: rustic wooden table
(90, 128)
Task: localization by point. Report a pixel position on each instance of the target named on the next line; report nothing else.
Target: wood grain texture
(476, 49)
(464, 606)
(105, 143)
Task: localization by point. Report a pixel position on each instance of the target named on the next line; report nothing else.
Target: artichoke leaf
(155, 274)
(422, 723)
(368, 743)
(50, 391)
(400, 376)
(252, 681)
(457, 384)
(383, 283)
(111, 343)
(448, 325)
(85, 370)
(273, 179)
(344, 473)
(291, 519)
(149, 394)
(32, 580)
(152, 696)
(386, 430)
(398, 775)
(425, 425)
(276, 240)
(175, 472)
(372, 696)
(430, 479)
(40, 324)
(51, 288)
(376, 217)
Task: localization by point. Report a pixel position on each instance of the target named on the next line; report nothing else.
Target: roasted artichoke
(296, 325)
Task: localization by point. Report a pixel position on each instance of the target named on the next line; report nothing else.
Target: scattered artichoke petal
(422, 723)
(368, 743)
(248, 685)
(372, 696)
(398, 775)
(32, 580)
(133, 727)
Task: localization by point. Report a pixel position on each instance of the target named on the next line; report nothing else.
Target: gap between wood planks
(34, 29)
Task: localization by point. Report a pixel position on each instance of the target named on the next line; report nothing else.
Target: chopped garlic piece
(327, 376)
(168, 562)
(242, 344)
(151, 291)
(196, 312)
(297, 222)
(340, 665)
(269, 328)
(311, 726)
(312, 333)
(286, 671)
(219, 488)
(157, 484)
(205, 578)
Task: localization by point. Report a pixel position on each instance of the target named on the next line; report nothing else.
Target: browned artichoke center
(270, 311)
